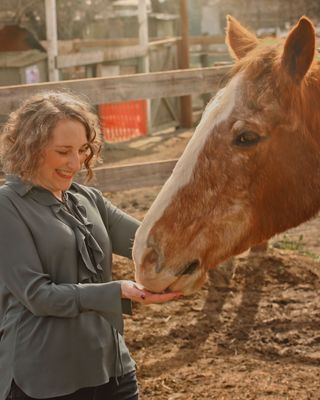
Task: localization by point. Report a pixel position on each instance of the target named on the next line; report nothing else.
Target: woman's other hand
(135, 292)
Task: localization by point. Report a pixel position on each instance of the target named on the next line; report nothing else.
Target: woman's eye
(63, 153)
(84, 151)
(247, 139)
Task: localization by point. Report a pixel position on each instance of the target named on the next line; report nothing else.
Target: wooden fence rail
(122, 88)
(130, 176)
(100, 56)
(125, 87)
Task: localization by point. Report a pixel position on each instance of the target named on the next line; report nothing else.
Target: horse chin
(188, 284)
(168, 280)
(184, 284)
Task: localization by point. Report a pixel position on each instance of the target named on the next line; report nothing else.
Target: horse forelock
(216, 111)
(271, 86)
(265, 61)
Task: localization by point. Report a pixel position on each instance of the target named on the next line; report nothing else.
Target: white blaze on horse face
(217, 111)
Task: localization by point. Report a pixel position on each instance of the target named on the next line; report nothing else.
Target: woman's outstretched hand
(135, 292)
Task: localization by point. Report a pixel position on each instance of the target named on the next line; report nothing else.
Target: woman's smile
(64, 174)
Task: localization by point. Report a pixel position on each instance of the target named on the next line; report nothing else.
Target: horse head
(250, 169)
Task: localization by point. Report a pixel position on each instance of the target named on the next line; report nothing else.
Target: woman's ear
(239, 40)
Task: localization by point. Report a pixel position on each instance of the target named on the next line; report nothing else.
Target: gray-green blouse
(60, 313)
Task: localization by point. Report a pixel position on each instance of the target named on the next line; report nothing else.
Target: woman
(60, 313)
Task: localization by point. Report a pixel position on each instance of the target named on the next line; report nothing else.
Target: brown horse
(251, 169)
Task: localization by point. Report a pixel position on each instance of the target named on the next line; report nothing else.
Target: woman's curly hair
(28, 131)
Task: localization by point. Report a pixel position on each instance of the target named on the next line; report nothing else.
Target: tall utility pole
(185, 101)
(52, 39)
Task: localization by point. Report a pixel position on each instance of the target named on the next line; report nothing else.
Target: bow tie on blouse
(91, 254)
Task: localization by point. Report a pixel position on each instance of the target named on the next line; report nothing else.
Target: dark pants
(125, 389)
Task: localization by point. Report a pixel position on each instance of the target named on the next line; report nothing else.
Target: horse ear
(238, 39)
(299, 49)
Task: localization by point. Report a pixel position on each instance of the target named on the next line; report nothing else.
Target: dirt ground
(252, 332)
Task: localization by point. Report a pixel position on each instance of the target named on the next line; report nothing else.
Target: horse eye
(246, 139)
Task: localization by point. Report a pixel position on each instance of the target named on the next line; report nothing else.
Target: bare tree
(31, 14)
(18, 8)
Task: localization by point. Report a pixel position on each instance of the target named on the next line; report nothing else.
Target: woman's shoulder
(6, 193)
(89, 192)
(8, 199)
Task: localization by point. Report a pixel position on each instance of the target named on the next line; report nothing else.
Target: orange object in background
(123, 121)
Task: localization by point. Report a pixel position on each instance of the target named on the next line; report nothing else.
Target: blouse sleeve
(121, 227)
(22, 273)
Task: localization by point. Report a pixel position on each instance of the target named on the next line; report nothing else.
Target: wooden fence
(92, 51)
(114, 89)
(106, 57)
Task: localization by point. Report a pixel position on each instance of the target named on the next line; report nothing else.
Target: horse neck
(304, 106)
(310, 99)
(311, 117)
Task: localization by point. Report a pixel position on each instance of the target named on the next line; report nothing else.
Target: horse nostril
(189, 268)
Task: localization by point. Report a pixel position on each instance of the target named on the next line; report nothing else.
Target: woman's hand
(135, 292)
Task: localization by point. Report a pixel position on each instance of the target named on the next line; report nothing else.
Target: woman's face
(63, 156)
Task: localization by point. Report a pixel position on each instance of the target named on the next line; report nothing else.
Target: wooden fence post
(52, 39)
(185, 101)
(144, 42)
